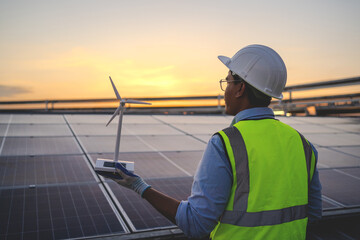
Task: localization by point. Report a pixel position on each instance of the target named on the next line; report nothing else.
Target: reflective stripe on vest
(238, 216)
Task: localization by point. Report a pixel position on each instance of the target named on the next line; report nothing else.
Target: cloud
(9, 91)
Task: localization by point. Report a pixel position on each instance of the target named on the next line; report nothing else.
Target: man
(258, 178)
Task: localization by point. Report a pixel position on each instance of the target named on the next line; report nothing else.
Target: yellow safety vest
(272, 166)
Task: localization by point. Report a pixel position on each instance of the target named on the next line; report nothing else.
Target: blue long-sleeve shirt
(211, 189)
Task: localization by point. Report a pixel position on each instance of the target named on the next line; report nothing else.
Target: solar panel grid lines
(27, 146)
(59, 212)
(38, 130)
(34, 170)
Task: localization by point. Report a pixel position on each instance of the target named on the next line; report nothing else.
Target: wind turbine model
(106, 166)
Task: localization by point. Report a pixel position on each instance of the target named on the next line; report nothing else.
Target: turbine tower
(120, 110)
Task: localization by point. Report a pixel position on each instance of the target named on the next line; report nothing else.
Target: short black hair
(256, 98)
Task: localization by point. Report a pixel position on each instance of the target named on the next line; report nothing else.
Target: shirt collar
(254, 114)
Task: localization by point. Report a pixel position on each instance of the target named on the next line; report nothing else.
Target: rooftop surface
(48, 188)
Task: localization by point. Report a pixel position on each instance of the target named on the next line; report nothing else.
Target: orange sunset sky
(67, 49)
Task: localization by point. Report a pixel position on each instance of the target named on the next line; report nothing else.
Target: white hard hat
(261, 67)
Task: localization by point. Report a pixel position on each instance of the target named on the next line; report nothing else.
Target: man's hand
(164, 204)
(130, 180)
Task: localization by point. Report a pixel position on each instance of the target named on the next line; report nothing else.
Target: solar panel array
(48, 188)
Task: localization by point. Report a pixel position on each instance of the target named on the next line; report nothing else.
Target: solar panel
(56, 212)
(104, 118)
(328, 205)
(193, 119)
(4, 118)
(3, 128)
(16, 130)
(201, 128)
(26, 170)
(68, 202)
(87, 118)
(127, 129)
(353, 128)
(148, 165)
(188, 160)
(289, 120)
(140, 212)
(37, 118)
(339, 139)
(151, 129)
(352, 171)
(340, 187)
(173, 143)
(106, 144)
(96, 129)
(354, 151)
(329, 158)
(327, 120)
(312, 128)
(24, 146)
(204, 137)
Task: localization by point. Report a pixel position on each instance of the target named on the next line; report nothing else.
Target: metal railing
(288, 105)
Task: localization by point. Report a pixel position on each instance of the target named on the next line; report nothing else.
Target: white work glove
(130, 180)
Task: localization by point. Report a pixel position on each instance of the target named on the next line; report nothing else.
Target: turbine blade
(115, 90)
(114, 115)
(136, 102)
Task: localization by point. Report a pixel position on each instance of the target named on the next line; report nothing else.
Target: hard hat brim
(225, 60)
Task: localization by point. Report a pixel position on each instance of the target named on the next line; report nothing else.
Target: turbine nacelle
(122, 103)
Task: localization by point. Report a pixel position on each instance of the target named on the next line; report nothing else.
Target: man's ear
(240, 89)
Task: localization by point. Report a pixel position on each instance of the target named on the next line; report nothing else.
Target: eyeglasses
(223, 81)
